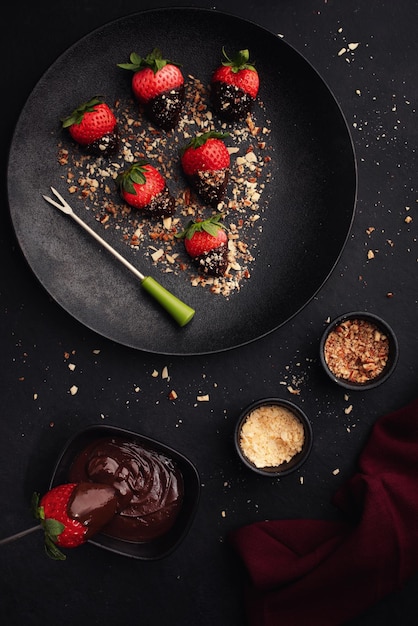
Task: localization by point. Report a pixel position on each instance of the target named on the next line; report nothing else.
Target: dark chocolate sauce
(230, 102)
(148, 485)
(93, 506)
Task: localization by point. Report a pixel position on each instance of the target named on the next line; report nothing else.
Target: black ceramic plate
(149, 550)
(307, 206)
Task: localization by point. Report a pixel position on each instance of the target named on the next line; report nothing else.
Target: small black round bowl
(287, 466)
(392, 358)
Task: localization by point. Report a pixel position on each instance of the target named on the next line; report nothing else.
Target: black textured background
(375, 85)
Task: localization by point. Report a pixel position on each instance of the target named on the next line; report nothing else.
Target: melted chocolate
(162, 205)
(210, 185)
(165, 109)
(108, 144)
(214, 262)
(148, 485)
(93, 506)
(230, 102)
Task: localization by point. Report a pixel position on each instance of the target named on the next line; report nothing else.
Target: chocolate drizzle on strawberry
(210, 185)
(162, 205)
(214, 262)
(93, 505)
(231, 103)
(165, 109)
(106, 145)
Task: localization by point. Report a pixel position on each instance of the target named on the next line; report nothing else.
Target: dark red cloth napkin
(323, 573)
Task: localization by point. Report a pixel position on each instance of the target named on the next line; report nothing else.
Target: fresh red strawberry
(94, 126)
(205, 161)
(143, 187)
(158, 84)
(72, 513)
(206, 242)
(234, 86)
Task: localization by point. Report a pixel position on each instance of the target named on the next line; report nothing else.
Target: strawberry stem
(23, 533)
(240, 61)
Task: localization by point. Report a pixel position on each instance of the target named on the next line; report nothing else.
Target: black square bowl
(161, 546)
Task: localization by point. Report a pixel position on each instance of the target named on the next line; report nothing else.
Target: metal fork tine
(181, 312)
(59, 196)
(51, 201)
(62, 205)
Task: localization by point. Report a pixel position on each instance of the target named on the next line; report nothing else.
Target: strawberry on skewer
(206, 243)
(234, 86)
(205, 161)
(93, 125)
(158, 84)
(144, 188)
(70, 514)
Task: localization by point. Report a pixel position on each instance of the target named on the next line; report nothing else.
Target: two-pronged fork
(180, 311)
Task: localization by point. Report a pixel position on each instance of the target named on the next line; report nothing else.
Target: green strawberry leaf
(241, 61)
(153, 60)
(138, 177)
(38, 512)
(134, 65)
(200, 140)
(134, 174)
(52, 551)
(211, 225)
(53, 528)
(77, 115)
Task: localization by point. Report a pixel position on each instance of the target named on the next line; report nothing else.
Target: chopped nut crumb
(73, 390)
(252, 166)
(356, 350)
(271, 435)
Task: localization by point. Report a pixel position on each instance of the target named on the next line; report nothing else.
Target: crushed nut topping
(91, 180)
(356, 350)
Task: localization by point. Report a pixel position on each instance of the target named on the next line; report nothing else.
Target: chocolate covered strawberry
(234, 86)
(144, 188)
(206, 243)
(72, 513)
(205, 161)
(158, 84)
(93, 125)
